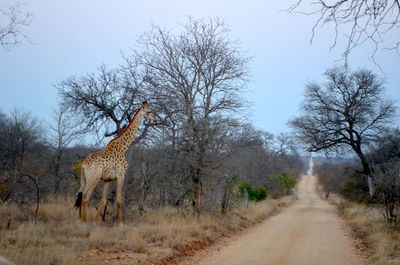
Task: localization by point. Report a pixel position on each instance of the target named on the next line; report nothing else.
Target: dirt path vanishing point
(307, 233)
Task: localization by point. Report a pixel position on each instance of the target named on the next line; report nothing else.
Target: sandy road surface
(308, 232)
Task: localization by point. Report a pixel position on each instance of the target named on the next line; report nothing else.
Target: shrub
(280, 185)
(356, 188)
(245, 186)
(76, 169)
(256, 194)
(287, 181)
(260, 194)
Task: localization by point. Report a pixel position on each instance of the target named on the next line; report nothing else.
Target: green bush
(287, 181)
(256, 194)
(244, 186)
(280, 185)
(260, 194)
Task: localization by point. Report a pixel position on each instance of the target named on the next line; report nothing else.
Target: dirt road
(308, 232)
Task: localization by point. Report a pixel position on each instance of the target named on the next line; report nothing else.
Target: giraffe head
(148, 114)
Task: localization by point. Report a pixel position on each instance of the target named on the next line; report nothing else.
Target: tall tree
(200, 73)
(348, 112)
(63, 131)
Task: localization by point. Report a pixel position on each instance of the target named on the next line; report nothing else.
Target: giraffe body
(109, 165)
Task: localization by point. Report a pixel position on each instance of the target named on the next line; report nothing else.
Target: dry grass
(382, 242)
(156, 237)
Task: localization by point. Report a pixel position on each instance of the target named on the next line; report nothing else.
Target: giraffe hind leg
(90, 185)
(118, 201)
(101, 212)
(78, 202)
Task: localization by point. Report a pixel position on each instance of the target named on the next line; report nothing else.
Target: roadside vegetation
(373, 220)
(377, 240)
(158, 236)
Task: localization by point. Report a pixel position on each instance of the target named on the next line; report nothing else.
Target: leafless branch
(13, 20)
(361, 21)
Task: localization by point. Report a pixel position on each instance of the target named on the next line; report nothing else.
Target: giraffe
(109, 165)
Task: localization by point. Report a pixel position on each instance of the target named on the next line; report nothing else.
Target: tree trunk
(225, 198)
(225, 202)
(246, 199)
(366, 170)
(145, 186)
(162, 193)
(196, 188)
(141, 202)
(57, 172)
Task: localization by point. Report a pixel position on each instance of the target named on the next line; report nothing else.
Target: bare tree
(64, 130)
(385, 157)
(22, 134)
(368, 21)
(387, 180)
(348, 112)
(12, 22)
(200, 73)
(23, 158)
(229, 184)
(34, 179)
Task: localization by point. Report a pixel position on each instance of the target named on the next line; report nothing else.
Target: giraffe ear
(144, 103)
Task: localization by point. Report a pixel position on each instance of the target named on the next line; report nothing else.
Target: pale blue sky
(74, 37)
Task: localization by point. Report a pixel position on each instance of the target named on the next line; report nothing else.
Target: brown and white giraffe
(108, 165)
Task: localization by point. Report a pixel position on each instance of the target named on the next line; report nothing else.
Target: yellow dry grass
(59, 237)
(382, 242)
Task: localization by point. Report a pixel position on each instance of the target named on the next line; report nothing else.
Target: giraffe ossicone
(109, 165)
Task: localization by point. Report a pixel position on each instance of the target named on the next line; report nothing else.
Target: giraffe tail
(78, 201)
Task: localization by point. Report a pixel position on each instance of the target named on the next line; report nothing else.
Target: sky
(74, 37)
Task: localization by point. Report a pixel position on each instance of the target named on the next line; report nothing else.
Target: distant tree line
(156, 177)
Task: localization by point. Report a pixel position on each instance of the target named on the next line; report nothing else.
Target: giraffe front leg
(103, 202)
(118, 200)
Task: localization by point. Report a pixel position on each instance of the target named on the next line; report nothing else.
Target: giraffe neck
(125, 138)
